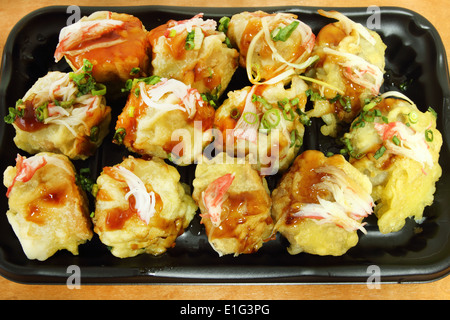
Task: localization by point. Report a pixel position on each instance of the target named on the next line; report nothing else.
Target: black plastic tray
(417, 253)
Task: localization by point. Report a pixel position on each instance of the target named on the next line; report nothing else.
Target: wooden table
(436, 11)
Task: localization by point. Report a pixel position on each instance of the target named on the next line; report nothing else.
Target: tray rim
(442, 268)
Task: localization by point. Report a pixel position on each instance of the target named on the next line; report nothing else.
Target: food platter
(417, 253)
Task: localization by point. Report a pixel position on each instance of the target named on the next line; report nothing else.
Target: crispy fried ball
(235, 205)
(47, 210)
(141, 207)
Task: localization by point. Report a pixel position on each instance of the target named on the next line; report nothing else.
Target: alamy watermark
(374, 20)
(74, 279)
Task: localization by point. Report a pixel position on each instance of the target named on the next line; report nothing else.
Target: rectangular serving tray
(417, 253)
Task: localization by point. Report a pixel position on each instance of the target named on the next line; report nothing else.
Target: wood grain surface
(436, 11)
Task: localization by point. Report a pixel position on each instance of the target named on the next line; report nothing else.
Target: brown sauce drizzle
(116, 218)
(29, 122)
(38, 209)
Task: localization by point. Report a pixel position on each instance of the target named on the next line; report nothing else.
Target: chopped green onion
(172, 33)
(64, 104)
(304, 119)
(135, 71)
(413, 117)
(94, 133)
(282, 34)
(150, 80)
(14, 112)
(370, 104)
(190, 44)
(396, 140)
(84, 180)
(261, 100)
(42, 112)
(336, 98)
(379, 152)
(271, 118)
(296, 139)
(235, 113)
(314, 96)
(429, 136)
(223, 24)
(433, 112)
(255, 117)
(346, 104)
(291, 113)
(87, 65)
(119, 135)
(100, 90)
(131, 111)
(223, 27)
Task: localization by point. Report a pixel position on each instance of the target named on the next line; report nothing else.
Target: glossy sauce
(252, 28)
(330, 36)
(237, 210)
(305, 190)
(29, 122)
(133, 49)
(176, 44)
(39, 208)
(204, 73)
(129, 123)
(116, 218)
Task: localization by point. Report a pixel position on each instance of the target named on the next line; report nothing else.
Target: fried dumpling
(349, 71)
(165, 118)
(59, 114)
(272, 47)
(141, 207)
(48, 211)
(235, 205)
(319, 204)
(397, 146)
(115, 43)
(264, 123)
(194, 52)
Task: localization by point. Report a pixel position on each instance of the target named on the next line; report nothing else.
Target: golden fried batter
(235, 205)
(319, 204)
(47, 209)
(141, 207)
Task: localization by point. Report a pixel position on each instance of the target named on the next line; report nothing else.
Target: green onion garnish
(282, 34)
(255, 117)
(271, 118)
(429, 135)
(379, 152)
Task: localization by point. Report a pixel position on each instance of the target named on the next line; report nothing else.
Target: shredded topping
(65, 90)
(397, 95)
(359, 70)
(247, 126)
(308, 40)
(408, 143)
(350, 204)
(187, 98)
(25, 169)
(196, 21)
(145, 201)
(71, 36)
(215, 195)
